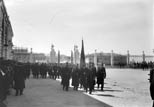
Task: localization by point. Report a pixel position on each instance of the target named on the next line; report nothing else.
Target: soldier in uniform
(152, 84)
(101, 75)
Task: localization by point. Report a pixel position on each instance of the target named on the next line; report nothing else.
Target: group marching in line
(84, 77)
(13, 75)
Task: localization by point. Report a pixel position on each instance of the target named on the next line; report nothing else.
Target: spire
(82, 58)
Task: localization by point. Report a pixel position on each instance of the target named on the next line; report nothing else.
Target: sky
(104, 25)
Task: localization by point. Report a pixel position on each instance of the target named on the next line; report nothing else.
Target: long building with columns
(114, 59)
(6, 33)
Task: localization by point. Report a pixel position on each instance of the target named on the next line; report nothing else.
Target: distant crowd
(136, 65)
(142, 65)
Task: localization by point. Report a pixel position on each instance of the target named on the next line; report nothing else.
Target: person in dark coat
(66, 77)
(50, 71)
(55, 69)
(81, 77)
(101, 75)
(27, 69)
(94, 75)
(85, 79)
(2, 89)
(90, 79)
(19, 80)
(75, 78)
(152, 84)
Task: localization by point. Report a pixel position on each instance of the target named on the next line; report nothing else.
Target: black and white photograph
(76, 53)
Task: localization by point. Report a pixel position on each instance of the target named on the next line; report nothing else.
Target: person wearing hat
(101, 75)
(19, 79)
(66, 77)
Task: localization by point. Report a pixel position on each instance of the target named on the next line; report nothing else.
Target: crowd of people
(13, 75)
(141, 65)
(85, 77)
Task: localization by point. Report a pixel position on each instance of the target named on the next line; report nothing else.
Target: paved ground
(125, 88)
(49, 93)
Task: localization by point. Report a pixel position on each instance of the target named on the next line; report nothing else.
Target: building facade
(6, 33)
(39, 58)
(114, 59)
(105, 58)
(24, 56)
(21, 55)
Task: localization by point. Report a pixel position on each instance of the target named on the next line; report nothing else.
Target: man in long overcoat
(19, 80)
(101, 75)
(66, 77)
(75, 78)
(90, 78)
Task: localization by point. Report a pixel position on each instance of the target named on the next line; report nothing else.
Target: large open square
(123, 88)
(126, 88)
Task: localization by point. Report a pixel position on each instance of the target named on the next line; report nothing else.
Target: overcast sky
(105, 25)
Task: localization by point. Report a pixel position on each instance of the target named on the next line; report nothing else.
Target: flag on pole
(82, 58)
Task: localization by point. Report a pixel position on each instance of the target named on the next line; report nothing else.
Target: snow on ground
(125, 88)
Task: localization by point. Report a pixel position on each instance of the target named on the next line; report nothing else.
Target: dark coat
(101, 75)
(2, 89)
(91, 77)
(66, 76)
(19, 78)
(75, 77)
(152, 83)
